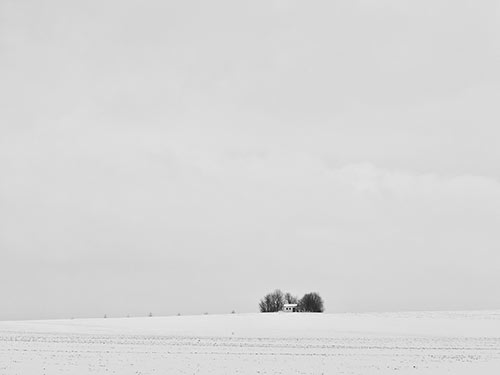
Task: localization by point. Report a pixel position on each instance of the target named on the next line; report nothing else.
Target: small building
(290, 307)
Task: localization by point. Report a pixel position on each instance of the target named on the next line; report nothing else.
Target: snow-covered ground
(382, 343)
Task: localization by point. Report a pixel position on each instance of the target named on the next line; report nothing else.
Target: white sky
(191, 156)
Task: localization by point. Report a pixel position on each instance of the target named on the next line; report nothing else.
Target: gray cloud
(154, 154)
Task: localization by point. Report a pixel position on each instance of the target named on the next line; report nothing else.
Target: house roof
(290, 305)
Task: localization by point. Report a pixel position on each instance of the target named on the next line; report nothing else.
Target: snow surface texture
(385, 343)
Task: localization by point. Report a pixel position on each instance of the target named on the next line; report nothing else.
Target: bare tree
(272, 302)
(265, 304)
(289, 298)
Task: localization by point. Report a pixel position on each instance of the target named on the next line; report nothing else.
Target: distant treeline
(275, 301)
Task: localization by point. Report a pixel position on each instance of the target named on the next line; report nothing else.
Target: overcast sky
(190, 156)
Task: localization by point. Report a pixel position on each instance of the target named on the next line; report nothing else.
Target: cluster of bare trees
(275, 301)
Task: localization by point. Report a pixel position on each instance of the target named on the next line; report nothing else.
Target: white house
(290, 307)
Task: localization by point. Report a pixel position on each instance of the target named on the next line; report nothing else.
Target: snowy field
(388, 343)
